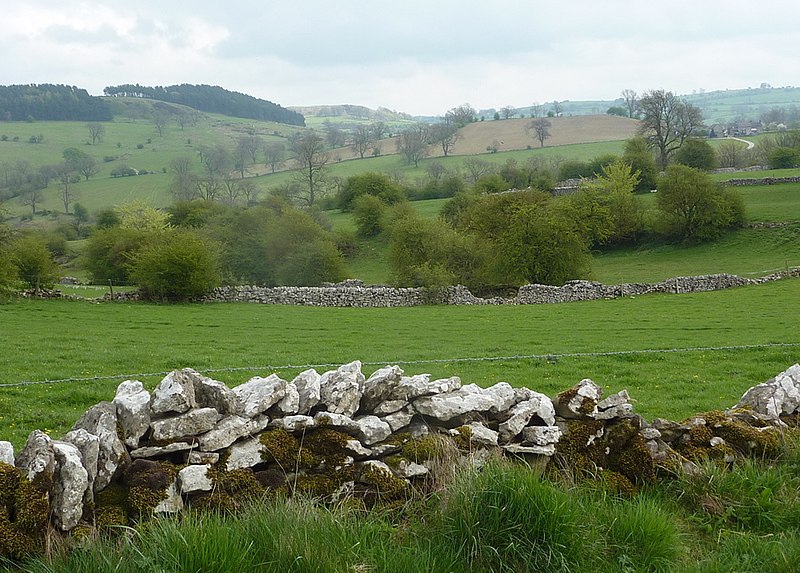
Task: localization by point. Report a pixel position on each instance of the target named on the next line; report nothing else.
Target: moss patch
(148, 482)
(24, 513)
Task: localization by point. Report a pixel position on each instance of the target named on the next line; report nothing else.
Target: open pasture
(548, 347)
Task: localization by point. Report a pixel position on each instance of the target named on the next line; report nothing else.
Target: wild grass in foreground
(545, 347)
(502, 518)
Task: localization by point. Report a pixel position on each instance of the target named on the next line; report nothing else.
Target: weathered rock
(229, 429)
(101, 421)
(372, 429)
(389, 407)
(407, 469)
(381, 450)
(337, 421)
(650, 433)
(37, 457)
(214, 394)
(417, 429)
(341, 389)
(374, 465)
(620, 398)
(503, 396)
(621, 411)
(294, 423)
(519, 449)
(89, 447)
(399, 419)
(202, 458)
(133, 410)
(307, 384)
(6, 453)
(356, 449)
(150, 452)
(522, 394)
(258, 394)
(776, 397)
(540, 435)
(412, 387)
(521, 414)
(479, 434)
(194, 478)
(175, 393)
(70, 482)
(580, 401)
(444, 407)
(379, 386)
(244, 454)
(290, 404)
(192, 423)
(173, 503)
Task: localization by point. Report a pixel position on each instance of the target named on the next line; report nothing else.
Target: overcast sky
(420, 57)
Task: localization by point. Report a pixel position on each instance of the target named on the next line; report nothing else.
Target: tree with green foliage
(8, 270)
(378, 185)
(638, 155)
(179, 265)
(361, 139)
(445, 135)
(783, 158)
(695, 208)
(109, 250)
(667, 121)
(34, 262)
(697, 153)
(369, 214)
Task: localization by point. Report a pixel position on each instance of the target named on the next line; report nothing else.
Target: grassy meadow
(54, 340)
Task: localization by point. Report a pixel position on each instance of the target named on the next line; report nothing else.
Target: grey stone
(341, 389)
(357, 450)
(89, 447)
(580, 401)
(372, 429)
(417, 429)
(133, 410)
(194, 478)
(192, 423)
(503, 396)
(408, 469)
(7, 453)
(479, 434)
(290, 404)
(519, 449)
(229, 429)
(541, 435)
(175, 393)
(614, 400)
(621, 411)
(173, 503)
(244, 454)
(294, 423)
(776, 397)
(379, 386)
(650, 433)
(307, 384)
(381, 450)
(399, 419)
(37, 456)
(413, 387)
(445, 407)
(149, 452)
(389, 407)
(374, 465)
(214, 394)
(338, 421)
(521, 414)
(70, 482)
(202, 458)
(522, 394)
(258, 394)
(101, 421)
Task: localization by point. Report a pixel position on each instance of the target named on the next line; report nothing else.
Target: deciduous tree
(540, 128)
(96, 131)
(667, 121)
(631, 100)
(312, 159)
(412, 143)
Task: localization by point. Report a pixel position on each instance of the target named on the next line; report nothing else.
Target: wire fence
(551, 357)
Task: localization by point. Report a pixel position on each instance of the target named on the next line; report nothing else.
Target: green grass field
(53, 340)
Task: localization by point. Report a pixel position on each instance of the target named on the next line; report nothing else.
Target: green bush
(783, 158)
(109, 250)
(375, 184)
(179, 264)
(697, 153)
(369, 213)
(34, 262)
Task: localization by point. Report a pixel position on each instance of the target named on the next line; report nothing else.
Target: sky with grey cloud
(420, 57)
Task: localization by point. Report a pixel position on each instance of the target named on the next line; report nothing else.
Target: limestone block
(379, 386)
(503, 396)
(521, 414)
(70, 482)
(214, 394)
(444, 407)
(133, 410)
(7, 453)
(244, 454)
(194, 478)
(337, 421)
(776, 397)
(389, 407)
(479, 434)
(541, 435)
(37, 456)
(580, 401)
(89, 447)
(175, 393)
(258, 394)
(412, 387)
(290, 404)
(101, 420)
(408, 469)
(620, 398)
(372, 429)
(357, 450)
(307, 385)
(203, 458)
(229, 429)
(519, 449)
(192, 423)
(150, 452)
(293, 423)
(399, 419)
(173, 503)
(341, 389)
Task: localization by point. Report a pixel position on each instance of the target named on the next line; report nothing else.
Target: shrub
(369, 213)
(34, 262)
(178, 265)
(697, 153)
(375, 184)
(783, 158)
(109, 250)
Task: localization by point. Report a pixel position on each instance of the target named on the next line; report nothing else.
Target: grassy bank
(53, 340)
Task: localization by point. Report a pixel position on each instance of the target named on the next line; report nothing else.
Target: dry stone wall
(376, 437)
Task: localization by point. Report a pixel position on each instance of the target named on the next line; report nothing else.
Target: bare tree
(160, 120)
(67, 191)
(412, 143)
(537, 110)
(557, 108)
(508, 112)
(631, 99)
(249, 190)
(461, 115)
(334, 136)
(32, 196)
(667, 121)
(274, 154)
(96, 131)
(362, 139)
(540, 128)
(435, 170)
(184, 183)
(445, 134)
(477, 168)
(311, 157)
(379, 130)
(730, 154)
